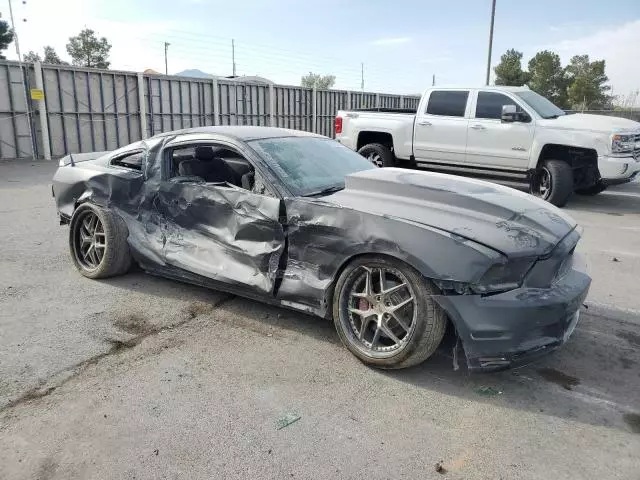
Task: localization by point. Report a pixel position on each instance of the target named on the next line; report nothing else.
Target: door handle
(426, 123)
(477, 126)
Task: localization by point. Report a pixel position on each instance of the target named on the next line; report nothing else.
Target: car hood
(595, 123)
(511, 222)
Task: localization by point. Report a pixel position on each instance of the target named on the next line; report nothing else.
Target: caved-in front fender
(323, 237)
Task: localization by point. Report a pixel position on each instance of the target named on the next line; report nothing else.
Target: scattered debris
(287, 419)
(487, 391)
(615, 259)
(269, 452)
(156, 452)
(198, 308)
(559, 378)
(633, 420)
(440, 468)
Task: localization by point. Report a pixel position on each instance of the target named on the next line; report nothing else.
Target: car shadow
(610, 202)
(593, 379)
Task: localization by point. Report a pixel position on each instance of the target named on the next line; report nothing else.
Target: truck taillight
(338, 125)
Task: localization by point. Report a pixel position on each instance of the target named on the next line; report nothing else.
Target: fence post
(314, 112)
(377, 100)
(142, 107)
(272, 106)
(215, 98)
(348, 100)
(42, 112)
(401, 101)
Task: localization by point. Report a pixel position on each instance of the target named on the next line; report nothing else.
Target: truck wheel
(553, 182)
(385, 314)
(592, 190)
(98, 242)
(378, 154)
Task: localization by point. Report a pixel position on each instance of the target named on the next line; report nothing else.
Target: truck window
(447, 103)
(490, 104)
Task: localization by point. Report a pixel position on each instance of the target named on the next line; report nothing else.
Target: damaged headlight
(503, 277)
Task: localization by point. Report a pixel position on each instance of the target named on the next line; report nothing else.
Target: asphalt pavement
(142, 377)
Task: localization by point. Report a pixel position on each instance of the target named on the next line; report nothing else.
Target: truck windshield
(541, 105)
(310, 166)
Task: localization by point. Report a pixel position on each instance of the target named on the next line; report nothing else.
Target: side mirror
(509, 113)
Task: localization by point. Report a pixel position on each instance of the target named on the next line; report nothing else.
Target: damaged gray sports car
(298, 220)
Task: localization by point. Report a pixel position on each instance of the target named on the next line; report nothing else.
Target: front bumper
(516, 327)
(617, 170)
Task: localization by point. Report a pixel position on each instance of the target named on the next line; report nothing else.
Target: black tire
(378, 154)
(553, 182)
(115, 258)
(592, 190)
(428, 320)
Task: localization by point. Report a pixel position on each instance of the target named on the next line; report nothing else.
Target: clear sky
(401, 42)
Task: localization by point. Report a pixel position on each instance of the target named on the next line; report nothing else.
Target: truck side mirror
(508, 113)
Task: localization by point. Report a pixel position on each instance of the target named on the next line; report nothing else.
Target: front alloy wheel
(384, 313)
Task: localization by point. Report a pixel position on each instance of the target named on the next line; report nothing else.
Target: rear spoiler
(74, 158)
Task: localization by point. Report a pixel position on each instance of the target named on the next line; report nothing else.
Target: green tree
(320, 82)
(547, 77)
(587, 89)
(6, 37)
(509, 70)
(87, 50)
(51, 57)
(31, 57)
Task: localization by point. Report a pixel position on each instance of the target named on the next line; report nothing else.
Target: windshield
(310, 165)
(541, 105)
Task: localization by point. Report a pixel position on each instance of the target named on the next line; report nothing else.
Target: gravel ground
(141, 377)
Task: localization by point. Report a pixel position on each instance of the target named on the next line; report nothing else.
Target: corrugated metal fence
(95, 110)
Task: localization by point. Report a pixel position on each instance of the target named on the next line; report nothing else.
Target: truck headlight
(622, 143)
(503, 277)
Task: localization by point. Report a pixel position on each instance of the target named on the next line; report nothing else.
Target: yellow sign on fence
(37, 94)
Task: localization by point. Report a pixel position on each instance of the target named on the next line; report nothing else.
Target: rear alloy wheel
(384, 313)
(378, 154)
(553, 182)
(98, 242)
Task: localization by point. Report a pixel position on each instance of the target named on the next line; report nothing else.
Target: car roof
(498, 88)
(242, 132)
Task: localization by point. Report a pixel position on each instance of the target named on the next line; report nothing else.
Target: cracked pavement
(142, 377)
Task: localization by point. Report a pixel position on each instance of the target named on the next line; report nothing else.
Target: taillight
(338, 125)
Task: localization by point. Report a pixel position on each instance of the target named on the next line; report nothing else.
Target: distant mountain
(194, 72)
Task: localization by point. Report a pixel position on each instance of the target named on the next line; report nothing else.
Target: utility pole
(362, 77)
(24, 83)
(493, 16)
(433, 80)
(166, 67)
(233, 55)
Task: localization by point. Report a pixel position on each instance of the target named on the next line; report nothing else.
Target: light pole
(166, 67)
(24, 83)
(493, 15)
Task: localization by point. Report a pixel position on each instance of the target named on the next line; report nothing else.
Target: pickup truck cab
(508, 133)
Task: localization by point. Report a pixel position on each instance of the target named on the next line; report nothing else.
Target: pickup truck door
(493, 143)
(440, 129)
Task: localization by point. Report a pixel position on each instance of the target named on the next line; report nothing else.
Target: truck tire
(98, 242)
(378, 154)
(553, 182)
(592, 190)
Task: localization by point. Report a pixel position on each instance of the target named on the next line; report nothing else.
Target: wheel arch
(374, 136)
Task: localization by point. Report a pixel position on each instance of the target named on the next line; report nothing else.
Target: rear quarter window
(132, 161)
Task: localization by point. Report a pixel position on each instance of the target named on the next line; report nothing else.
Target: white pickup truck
(507, 133)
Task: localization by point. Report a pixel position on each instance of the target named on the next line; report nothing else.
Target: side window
(489, 105)
(212, 163)
(448, 103)
(130, 160)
